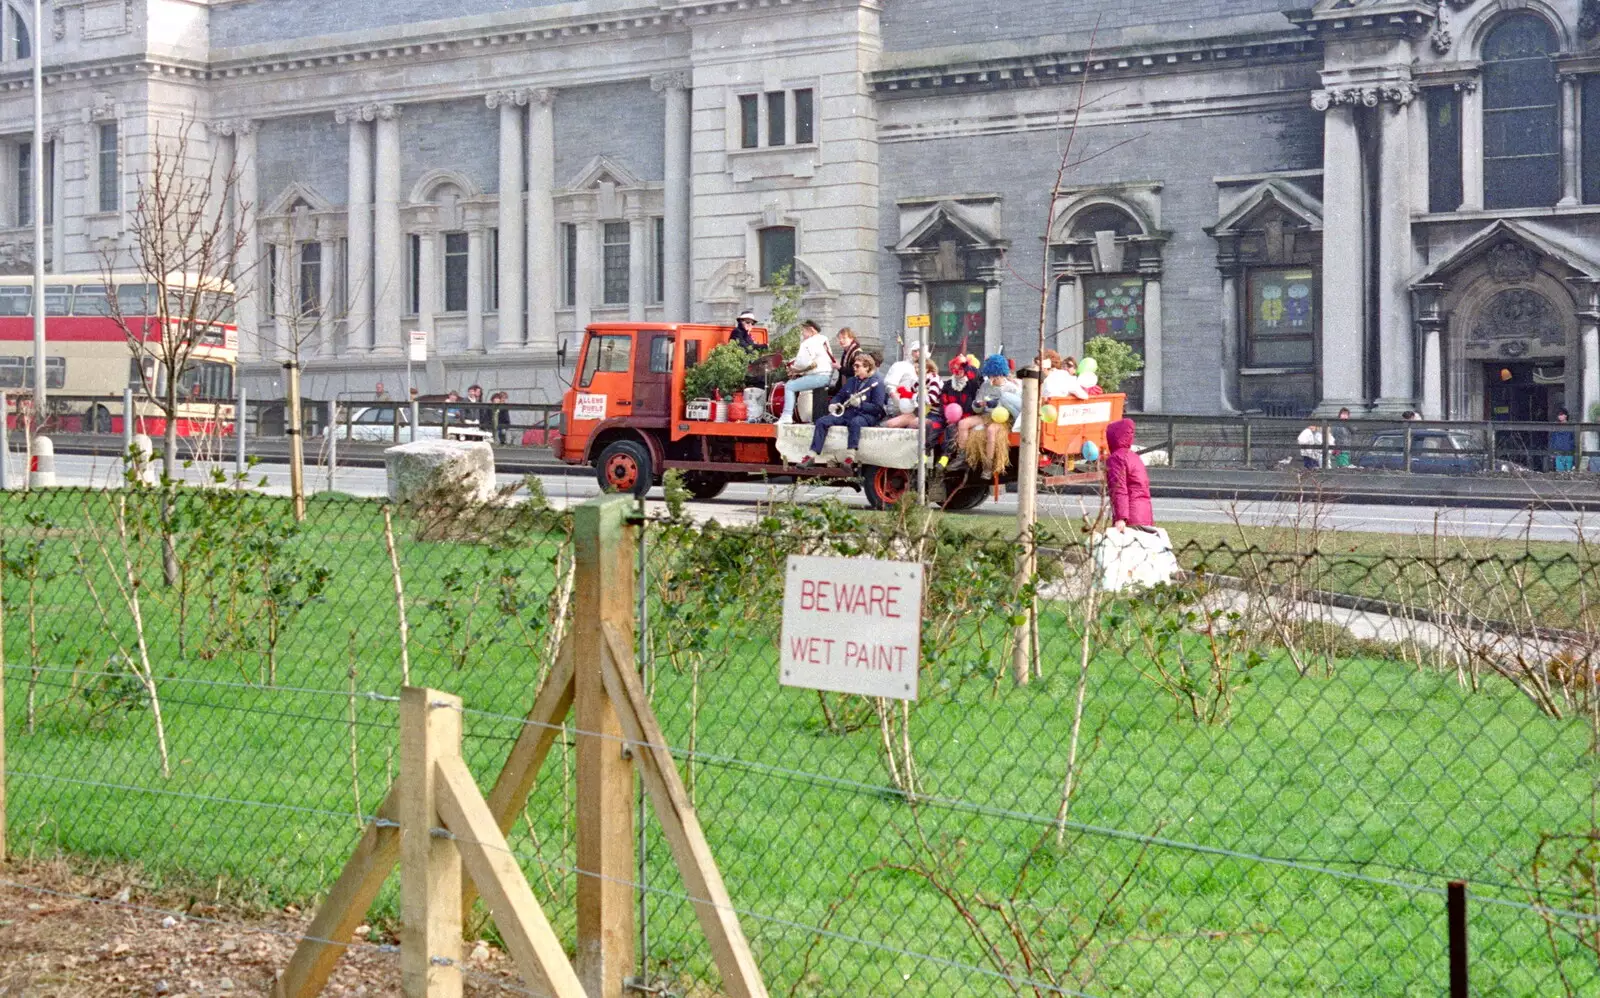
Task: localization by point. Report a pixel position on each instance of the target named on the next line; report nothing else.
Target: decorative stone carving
(505, 98)
(1442, 40)
(1511, 263)
(1517, 322)
(234, 126)
(1398, 94)
(675, 80)
(542, 96)
(103, 107)
(366, 112)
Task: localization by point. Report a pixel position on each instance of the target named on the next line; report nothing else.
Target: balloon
(952, 413)
(1001, 414)
(1047, 413)
(1090, 451)
(1088, 366)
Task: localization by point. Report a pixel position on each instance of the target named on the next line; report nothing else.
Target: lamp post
(37, 155)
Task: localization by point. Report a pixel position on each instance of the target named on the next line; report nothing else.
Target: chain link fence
(1258, 780)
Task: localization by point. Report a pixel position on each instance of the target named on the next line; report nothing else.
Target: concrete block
(415, 466)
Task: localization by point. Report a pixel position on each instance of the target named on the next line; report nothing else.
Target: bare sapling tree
(187, 252)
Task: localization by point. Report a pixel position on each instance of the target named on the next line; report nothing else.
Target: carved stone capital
(678, 79)
(541, 97)
(102, 108)
(386, 112)
(366, 112)
(1398, 94)
(505, 98)
(234, 126)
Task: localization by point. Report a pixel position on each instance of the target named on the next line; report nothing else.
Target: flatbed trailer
(626, 416)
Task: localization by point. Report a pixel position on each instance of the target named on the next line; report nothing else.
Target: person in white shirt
(1310, 441)
(902, 374)
(1060, 378)
(811, 368)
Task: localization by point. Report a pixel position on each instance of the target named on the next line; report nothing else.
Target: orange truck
(626, 416)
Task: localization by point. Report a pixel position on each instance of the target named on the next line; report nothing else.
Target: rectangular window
(455, 271)
(271, 282)
(310, 278)
(1591, 139)
(58, 299)
(1444, 149)
(19, 32)
(661, 262)
(777, 118)
(415, 298)
(1281, 325)
(777, 255)
(90, 299)
(569, 266)
(55, 372)
(491, 275)
(749, 121)
(50, 183)
(1113, 306)
(24, 183)
(16, 301)
(805, 118)
(616, 263)
(957, 319)
(110, 177)
(661, 355)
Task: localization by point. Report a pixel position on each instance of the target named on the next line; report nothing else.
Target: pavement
(743, 502)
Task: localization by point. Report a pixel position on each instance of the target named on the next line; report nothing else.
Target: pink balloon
(952, 413)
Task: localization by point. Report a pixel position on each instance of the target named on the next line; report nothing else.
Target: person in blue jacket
(862, 402)
(1562, 444)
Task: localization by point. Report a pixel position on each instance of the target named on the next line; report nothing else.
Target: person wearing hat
(741, 330)
(999, 391)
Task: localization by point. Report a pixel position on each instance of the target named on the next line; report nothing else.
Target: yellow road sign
(919, 321)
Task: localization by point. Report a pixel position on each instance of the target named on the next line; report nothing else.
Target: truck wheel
(624, 466)
(965, 497)
(883, 487)
(705, 484)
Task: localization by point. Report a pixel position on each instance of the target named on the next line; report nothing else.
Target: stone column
(388, 268)
(544, 263)
(991, 319)
(1571, 171)
(1432, 373)
(283, 293)
(1591, 383)
(358, 226)
(1230, 340)
(638, 263)
(1471, 147)
(246, 210)
(588, 261)
(58, 202)
(326, 317)
(1396, 263)
(475, 289)
(1069, 321)
(428, 282)
(1343, 273)
(512, 273)
(1152, 345)
(677, 195)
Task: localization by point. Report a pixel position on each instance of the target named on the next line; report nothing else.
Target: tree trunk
(169, 479)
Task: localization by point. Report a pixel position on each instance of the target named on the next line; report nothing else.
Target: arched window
(1521, 115)
(1114, 294)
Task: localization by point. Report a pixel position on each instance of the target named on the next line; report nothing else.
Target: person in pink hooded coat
(1127, 483)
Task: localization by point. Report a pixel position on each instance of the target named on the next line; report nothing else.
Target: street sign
(419, 346)
(919, 321)
(852, 625)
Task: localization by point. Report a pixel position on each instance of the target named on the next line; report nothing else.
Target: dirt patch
(66, 934)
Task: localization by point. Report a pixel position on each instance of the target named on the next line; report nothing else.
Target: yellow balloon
(1047, 413)
(1001, 414)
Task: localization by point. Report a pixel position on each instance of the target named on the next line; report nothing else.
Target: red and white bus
(88, 360)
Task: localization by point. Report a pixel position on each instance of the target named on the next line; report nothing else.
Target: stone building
(1283, 205)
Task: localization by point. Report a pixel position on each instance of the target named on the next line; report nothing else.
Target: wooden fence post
(603, 593)
(3, 457)
(430, 866)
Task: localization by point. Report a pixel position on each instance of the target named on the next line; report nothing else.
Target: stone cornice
(1372, 18)
(1397, 93)
(1044, 69)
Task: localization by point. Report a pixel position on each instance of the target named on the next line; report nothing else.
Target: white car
(376, 423)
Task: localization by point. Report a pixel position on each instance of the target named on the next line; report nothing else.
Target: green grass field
(1379, 771)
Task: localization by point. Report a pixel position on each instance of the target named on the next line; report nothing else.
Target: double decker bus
(89, 360)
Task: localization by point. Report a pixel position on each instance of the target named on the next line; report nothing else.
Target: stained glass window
(1282, 323)
(1113, 305)
(957, 317)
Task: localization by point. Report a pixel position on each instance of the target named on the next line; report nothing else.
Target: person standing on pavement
(1562, 444)
(1310, 441)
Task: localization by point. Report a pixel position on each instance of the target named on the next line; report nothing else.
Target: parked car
(376, 423)
(1434, 451)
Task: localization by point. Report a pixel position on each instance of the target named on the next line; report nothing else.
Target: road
(741, 502)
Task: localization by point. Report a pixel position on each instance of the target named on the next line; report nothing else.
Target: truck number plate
(589, 407)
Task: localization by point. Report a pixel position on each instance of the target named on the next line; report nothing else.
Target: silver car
(379, 423)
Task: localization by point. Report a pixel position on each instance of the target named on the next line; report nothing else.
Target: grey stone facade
(1253, 199)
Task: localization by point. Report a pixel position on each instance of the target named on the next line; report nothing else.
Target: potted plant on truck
(722, 374)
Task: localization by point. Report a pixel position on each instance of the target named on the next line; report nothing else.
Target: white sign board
(851, 625)
(589, 407)
(419, 346)
(1083, 412)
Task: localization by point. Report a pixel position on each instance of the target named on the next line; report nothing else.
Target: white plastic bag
(1133, 558)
